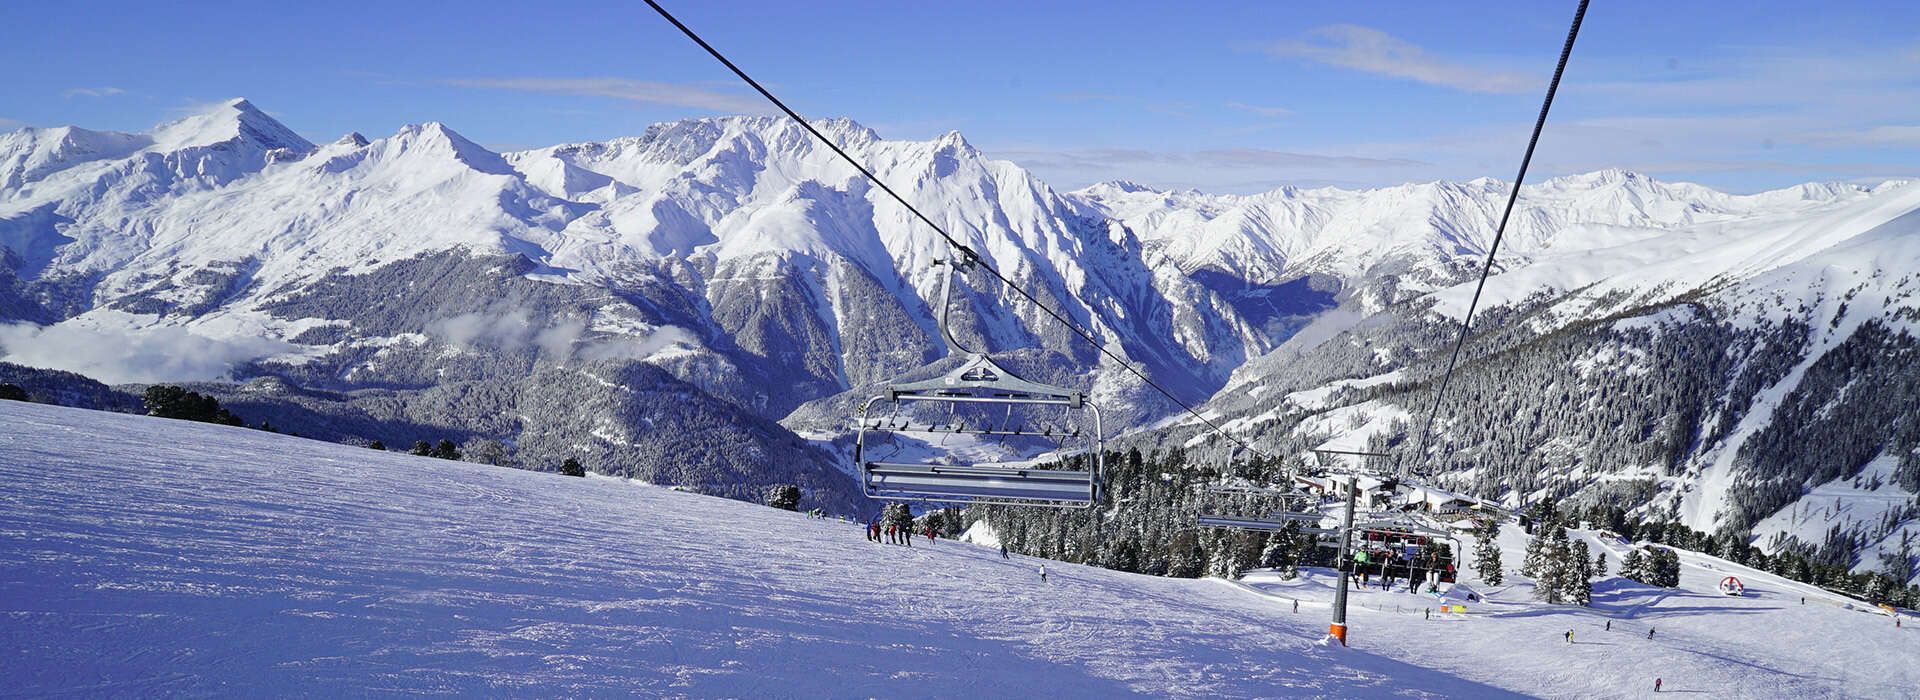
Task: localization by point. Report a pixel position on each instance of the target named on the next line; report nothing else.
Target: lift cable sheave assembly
(965, 254)
(980, 382)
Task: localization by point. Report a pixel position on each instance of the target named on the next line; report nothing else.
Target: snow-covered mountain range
(586, 298)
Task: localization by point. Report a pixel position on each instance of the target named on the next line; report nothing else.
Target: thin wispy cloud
(1370, 50)
(1884, 135)
(92, 92)
(1087, 97)
(1262, 111)
(638, 91)
(1166, 108)
(6, 123)
(1226, 170)
(1223, 157)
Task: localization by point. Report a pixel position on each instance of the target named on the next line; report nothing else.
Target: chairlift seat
(1267, 524)
(977, 482)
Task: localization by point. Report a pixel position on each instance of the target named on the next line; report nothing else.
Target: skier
(1296, 605)
(929, 533)
(1043, 573)
(1429, 613)
(1649, 633)
(1569, 636)
(1656, 685)
(1609, 625)
(1003, 551)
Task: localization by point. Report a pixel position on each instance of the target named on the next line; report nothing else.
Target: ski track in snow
(1765, 644)
(141, 556)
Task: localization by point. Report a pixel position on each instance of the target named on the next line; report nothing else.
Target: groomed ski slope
(1764, 644)
(145, 556)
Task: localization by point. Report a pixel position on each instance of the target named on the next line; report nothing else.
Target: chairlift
(1272, 521)
(982, 383)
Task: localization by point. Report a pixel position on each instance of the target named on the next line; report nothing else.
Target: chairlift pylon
(980, 381)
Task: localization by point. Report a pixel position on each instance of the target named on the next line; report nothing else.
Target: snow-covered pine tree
(783, 496)
(1185, 558)
(1486, 553)
(1634, 566)
(1666, 568)
(898, 515)
(1599, 564)
(1541, 514)
(1124, 554)
(1579, 585)
(1554, 568)
(1240, 552)
(1535, 556)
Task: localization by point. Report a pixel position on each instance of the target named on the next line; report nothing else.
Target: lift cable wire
(965, 252)
(1486, 270)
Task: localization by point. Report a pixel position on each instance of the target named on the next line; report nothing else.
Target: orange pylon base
(1339, 632)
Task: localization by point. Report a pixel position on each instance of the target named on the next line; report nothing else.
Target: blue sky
(1232, 97)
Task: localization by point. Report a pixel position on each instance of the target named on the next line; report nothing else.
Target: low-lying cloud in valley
(143, 355)
(564, 340)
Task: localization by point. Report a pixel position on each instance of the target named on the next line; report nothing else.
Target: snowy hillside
(629, 302)
(148, 556)
(1721, 369)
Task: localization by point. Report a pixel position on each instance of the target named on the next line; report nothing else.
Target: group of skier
(896, 534)
(1656, 682)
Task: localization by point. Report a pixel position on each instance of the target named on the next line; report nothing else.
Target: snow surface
(143, 556)
(1862, 503)
(1765, 644)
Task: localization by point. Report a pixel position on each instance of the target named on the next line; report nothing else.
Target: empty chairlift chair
(1268, 520)
(980, 383)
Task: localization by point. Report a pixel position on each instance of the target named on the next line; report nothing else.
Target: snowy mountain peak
(352, 139)
(1117, 187)
(29, 153)
(436, 139)
(233, 121)
(953, 139)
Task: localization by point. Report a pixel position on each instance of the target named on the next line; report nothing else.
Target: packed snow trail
(145, 556)
(1764, 644)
